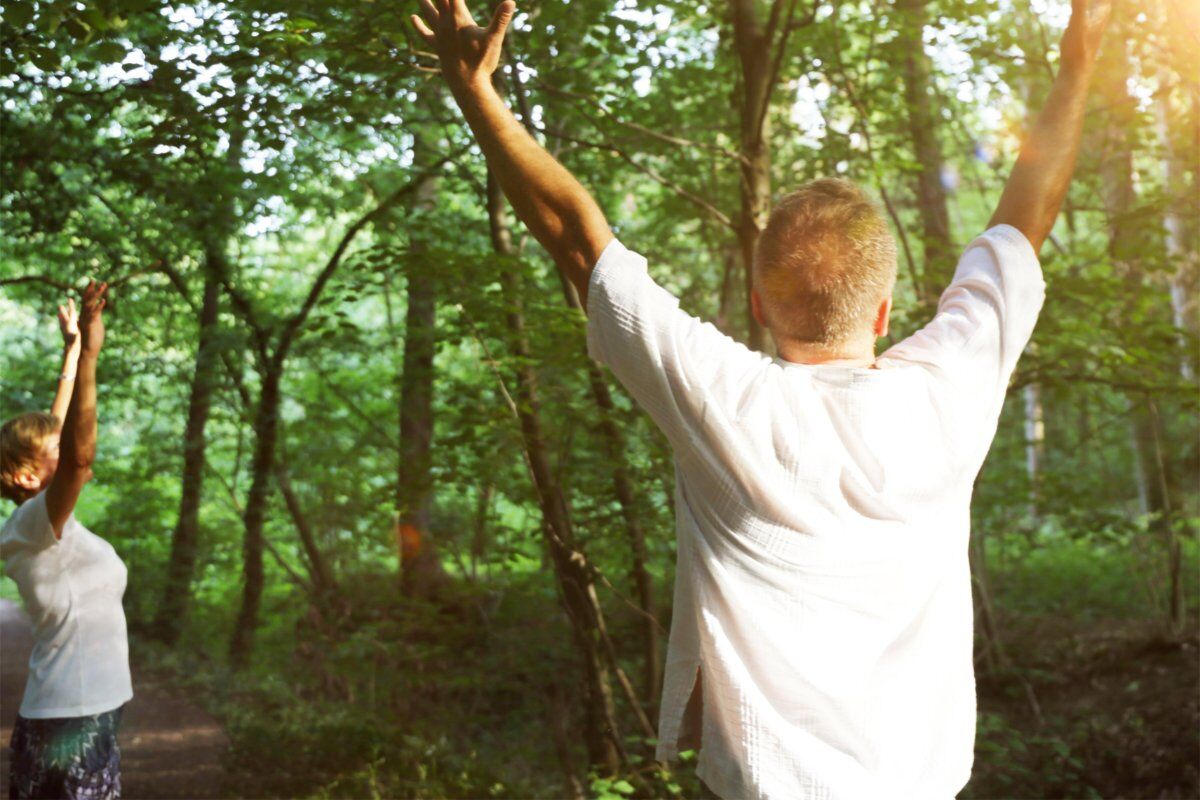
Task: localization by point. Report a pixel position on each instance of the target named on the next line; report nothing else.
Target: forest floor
(170, 748)
(1085, 705)
(1106, 709)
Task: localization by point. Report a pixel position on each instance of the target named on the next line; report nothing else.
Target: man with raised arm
(821, 642)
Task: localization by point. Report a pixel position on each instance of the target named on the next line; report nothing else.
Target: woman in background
(71, 581)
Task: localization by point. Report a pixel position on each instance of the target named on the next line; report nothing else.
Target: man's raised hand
(1035, 190)
(1081, 41)
(91, 321)
(468, 53)
(555, 207)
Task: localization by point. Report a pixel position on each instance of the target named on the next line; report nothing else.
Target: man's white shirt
(822, 590)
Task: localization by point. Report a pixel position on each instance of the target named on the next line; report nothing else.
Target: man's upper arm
(986, 316)
(671, 362)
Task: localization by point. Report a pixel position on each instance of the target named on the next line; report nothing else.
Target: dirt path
(169, 748)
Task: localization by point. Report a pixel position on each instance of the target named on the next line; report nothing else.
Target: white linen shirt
(822, 590)
(72, 588)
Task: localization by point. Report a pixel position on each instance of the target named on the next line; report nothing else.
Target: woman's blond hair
(22, 440)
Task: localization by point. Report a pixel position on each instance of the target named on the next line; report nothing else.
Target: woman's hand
(91, 321)
(468, 53)
(68, 323)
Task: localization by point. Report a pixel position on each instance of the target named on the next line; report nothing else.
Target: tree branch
(679, 190)
(650, 132)
(297, 320)
(46, 279)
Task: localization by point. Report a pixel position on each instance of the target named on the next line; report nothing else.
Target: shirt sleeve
(985, 317)
(679, 369)
(29, 527)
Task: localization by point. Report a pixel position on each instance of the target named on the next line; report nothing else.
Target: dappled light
(421, 372)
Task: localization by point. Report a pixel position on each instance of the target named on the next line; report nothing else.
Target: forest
(383, 518)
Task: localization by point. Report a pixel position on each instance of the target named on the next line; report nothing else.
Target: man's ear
(882, 317)
(756, 308)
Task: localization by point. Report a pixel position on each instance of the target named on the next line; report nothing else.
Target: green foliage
(149, 144)
(1027, 765)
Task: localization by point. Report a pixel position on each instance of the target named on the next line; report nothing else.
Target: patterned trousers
(72, 758)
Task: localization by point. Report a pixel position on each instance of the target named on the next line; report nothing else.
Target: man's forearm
(1035, 191)
(1039, 181)
(558, 211)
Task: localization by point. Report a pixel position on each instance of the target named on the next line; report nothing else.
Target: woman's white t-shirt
(72, 589)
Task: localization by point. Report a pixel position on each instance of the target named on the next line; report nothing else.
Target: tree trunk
(1185, 276)
(730, 257)
(271, 366)
(1127, 242)
(622, 484)
(480, 536)
(923, 123)
(1035, 435)
(992, 650)
(557, 708)
(614, 446)
(623, 487)
(172, 610)
(266, 421)
(574, 576)
(754, 45)
(1154, 492)
(421, 571)
(318, 567)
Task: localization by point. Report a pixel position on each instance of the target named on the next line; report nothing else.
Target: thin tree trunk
(730, 260)
(1185, 277)
(557, 707)
(266, 421)
(271, 365)
(172, 610)
(1127, 243)
(1035, 435)
(626, 497)
(923, 125)
(602, 735)
(993, 649)
(614, 445)
(479, 539)
(318, 566)
(623, 487)
(622, 484)
(421, 572)
(753, 43)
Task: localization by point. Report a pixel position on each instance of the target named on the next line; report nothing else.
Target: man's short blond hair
(22, 441)
(824, 263)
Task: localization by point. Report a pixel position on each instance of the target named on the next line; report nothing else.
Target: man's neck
(862, 355)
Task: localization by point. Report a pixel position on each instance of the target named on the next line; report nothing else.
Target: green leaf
(45, 59)
(19, 13)
(111, 52)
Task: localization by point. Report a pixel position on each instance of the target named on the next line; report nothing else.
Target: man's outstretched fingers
(429, 14)
(462, 13)
(422, 28)
(500, 18)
